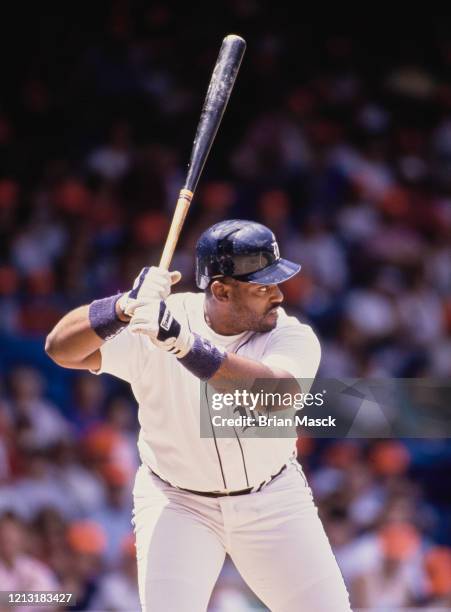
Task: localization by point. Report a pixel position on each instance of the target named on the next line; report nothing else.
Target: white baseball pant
(274, 537)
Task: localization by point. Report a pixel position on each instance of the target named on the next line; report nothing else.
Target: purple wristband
(204, 359)
(103, 318)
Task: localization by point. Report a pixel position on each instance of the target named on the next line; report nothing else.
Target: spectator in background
(321, 255)
(113, 160)
(421, 311)
(115, 515)
(118, 589)
(43, 306)
(82, 567)
(48, 538)
(19, 571)
(370, 312)
(41, 243)
(275, 211)
(106, 446)
(274, 142)
(39, 487)
(121, 416)
(394, 581)
(39, 424)
(87, 404)
(84, 487)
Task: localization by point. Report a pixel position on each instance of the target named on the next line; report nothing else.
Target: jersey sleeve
(295, 349)
(122, 356)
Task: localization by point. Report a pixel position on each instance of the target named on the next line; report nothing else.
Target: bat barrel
(219, 90)
(218, 94)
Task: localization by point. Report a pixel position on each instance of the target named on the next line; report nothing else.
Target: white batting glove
(155, 320)
(151, 283)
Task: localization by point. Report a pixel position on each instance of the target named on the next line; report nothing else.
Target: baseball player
(195, 498)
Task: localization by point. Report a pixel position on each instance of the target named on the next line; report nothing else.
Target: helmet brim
(276, 273)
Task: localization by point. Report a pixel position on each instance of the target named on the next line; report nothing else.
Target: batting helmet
(244, 250)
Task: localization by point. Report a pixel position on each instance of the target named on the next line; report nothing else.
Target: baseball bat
(218, 94)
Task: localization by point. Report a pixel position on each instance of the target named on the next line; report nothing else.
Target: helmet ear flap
(226, 265)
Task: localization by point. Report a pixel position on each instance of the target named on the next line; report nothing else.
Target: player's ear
(220, 291)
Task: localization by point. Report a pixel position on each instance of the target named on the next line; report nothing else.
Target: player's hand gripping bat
(218, 94)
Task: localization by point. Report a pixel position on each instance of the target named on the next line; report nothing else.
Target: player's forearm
(73, 338)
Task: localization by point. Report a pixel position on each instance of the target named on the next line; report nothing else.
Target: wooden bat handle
(181, 210)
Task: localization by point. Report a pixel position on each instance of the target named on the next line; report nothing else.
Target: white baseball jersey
(169, 400)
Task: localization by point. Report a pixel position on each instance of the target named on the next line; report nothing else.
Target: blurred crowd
(342, 145)
(65, 492)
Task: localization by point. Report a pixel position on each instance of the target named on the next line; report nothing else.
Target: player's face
(255, 306)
